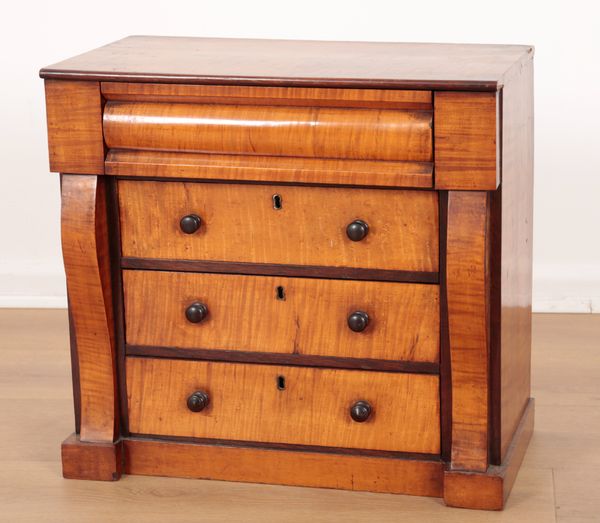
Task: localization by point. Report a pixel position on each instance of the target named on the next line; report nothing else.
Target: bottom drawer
(280, 404)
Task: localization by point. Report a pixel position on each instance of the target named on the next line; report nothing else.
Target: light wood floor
(559, 481)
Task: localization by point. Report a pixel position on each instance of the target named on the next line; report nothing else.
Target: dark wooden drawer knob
(190, 224)
(357, 230)
(358, 321)
(196, 312)
(360, 411)
(198, 401)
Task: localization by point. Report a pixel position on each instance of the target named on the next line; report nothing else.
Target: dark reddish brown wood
(495, 297)
(445, 368)
(101, 461)
(267, 269)
(316, 469)
(75, 373)
(489, 490)
(283, 359)
(112, 203)
(296, 63)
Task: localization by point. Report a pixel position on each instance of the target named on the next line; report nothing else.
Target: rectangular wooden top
(296, 63)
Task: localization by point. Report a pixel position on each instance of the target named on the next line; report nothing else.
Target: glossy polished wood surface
(272, 169)
(516, 253)
(240, 224)
(247, 404)
(85, 251)
(324, 132)
(286, 315)
(467, 141)
(74, 117)
(247, 95)
(297, 63)
(468, 322)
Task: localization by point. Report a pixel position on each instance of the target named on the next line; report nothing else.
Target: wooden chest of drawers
(305, 263)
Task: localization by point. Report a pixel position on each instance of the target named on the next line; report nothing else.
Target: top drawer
(285, 225)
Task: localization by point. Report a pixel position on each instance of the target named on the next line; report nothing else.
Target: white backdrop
(567, 111)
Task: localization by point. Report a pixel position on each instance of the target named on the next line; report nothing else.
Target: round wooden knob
(198, 401)
(196, 312)
(190, 224)
(358, 321)
(360, 411)
(357, 230)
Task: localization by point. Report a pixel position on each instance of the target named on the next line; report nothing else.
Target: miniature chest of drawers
(305, 263)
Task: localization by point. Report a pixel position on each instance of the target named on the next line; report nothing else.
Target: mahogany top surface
(296, 63)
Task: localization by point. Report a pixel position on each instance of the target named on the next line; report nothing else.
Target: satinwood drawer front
(353, 319)
(272, 130)
(268, 224)
(295, 405)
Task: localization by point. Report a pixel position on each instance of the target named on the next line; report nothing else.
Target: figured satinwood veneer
(248, 404)
(311, 315)
(305, 263)
(240, 224)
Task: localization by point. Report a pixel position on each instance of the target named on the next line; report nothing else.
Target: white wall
(567, 156)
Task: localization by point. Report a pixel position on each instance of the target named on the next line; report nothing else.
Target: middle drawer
(283, 315)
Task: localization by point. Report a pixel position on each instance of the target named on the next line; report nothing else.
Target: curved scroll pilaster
(86, 258)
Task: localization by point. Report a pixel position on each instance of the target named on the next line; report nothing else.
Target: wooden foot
(101, 461)
(489, 490)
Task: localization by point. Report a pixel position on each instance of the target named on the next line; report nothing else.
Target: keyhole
(280, 293)
(281, 382)
(277, 204)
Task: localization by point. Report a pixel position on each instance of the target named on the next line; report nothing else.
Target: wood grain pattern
(277, 358)
(273, 169)
(313, 132)
(100, 461)
(274, 269)
(246, 404)
(517, 252)
(468, 322)
(243, 310)
(396, 476)
(489, 491)
(248, 95)
(467, 141)
(74, 116)
(296, 63)
(240, 225)
(87, 266)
